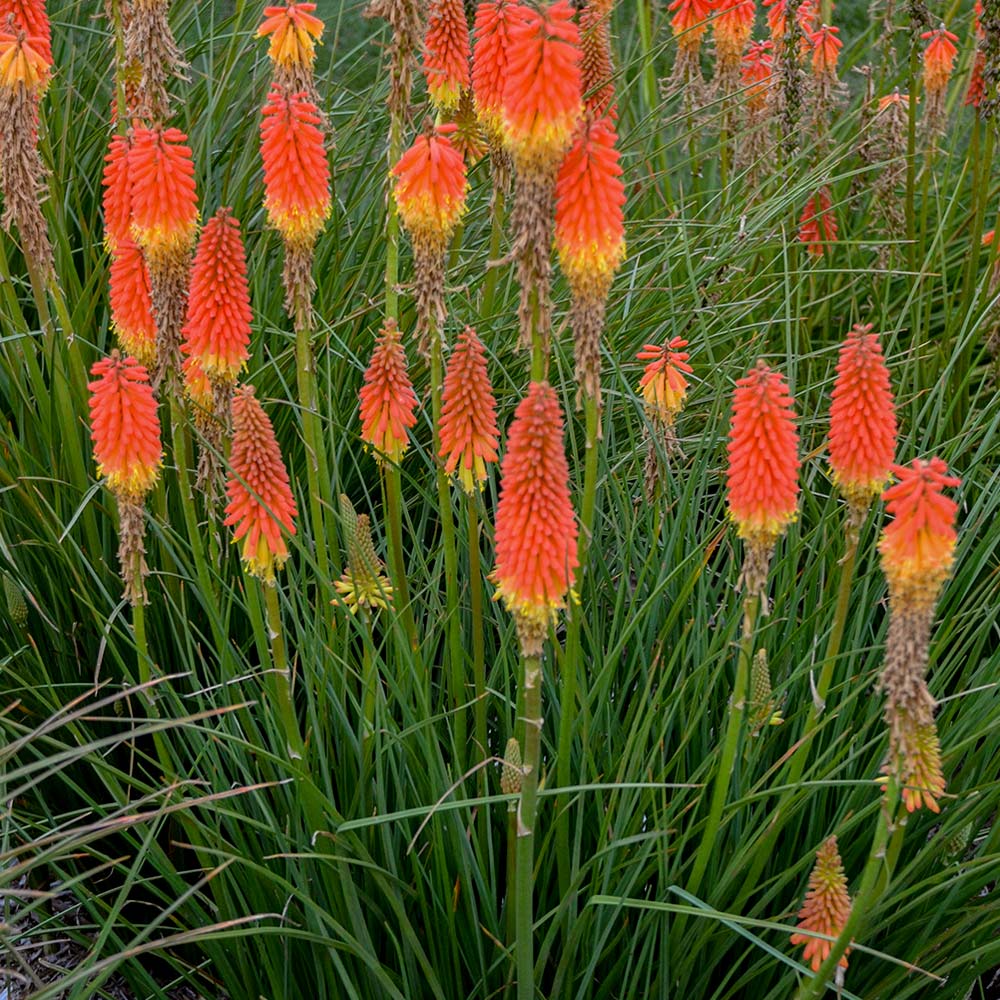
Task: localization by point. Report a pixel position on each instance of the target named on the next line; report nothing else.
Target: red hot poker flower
(446, 53)
(30, 17)
(542, 97)
(489, 59)
(826, 908)
(818, 225)
(757, 71)
(294, 31)
(536, 535)
(131, 302)
(124, 427)
(690, 21)
(296, 169)
(596, 65)
(826, 48)
(260, 497)
(117, 197)
(939, 59)
(388, 402)
(217, 331)
(862, 419)
(733, 25)
(468, 430)
(663, 384)
(22, 64)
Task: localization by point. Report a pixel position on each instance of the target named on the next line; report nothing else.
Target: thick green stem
(144, 666)
(737, 708)
(539, 360)
(397, 560)
(524, 890)
(496, 237)
(911, 159)
(281, 685)
(478, 637)
(512, 884)
(874, 881)
(568, 694)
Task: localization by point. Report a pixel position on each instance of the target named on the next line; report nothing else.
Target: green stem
(496, 237)
(144, 667)
(539, 362)
(877, 872)
(397, 561)
(281, 686)
(911, 164)
(478, 637)
(392, 226)
(512, 883)
(524, 889)
(723, 775)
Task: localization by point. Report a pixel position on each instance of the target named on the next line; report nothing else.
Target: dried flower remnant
(536, 534)
(150, 46)
(126, 435)
(260, 505)
(430, 187)
(446, 53)
(405, 17)
(468, 430)
(826, 908)
(939, 61)
(862, 423)
(388, 402)
(468, 137)
(664, 388)
(918, 550)
(362, 584)
(293, 30)
(817, 224)
(889, 150)
(762, 479)
(590, 240)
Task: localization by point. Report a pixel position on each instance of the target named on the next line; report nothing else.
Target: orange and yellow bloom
(294, 31)
(732, 26)
(31, 18)
(260, 505)
(536, 534)
(489, 59)
(826, 908)
(388, 402)
(131, 302)
(817, 224)
(446, 53)
(939, 59)
(22, 63)
(663, 383)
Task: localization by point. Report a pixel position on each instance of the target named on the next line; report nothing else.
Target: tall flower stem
(524, 889)
(874, 881)
(454, 623)
(281, 683)
(737, 709)
(496, 237)
(568, 694)
(478, 638)
(144, 668)
(394, 519)
(911, 157)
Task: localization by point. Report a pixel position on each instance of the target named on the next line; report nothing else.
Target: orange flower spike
(918, 545)
(596, 65)
(198, 387)
(430, 187)
(22, 63)
(977, 86)
(124, 426)
(590, 200)
(388, 402)
(446, 53)
(757, 71)
(826, 48)
(862, 419)
(489, 58)
(162, 190)
(217, 331)
(663, 384)
(260, 497)
(30, 17)
(131, 302)
(468, 428)
(776, 19)
(117, 196)
(817, 225)
(296, 169)
(762, 479)
(939, 59)
(536, 534)
(733, 25)
(542, 97)
(294, 32)
(690, 21)
(826, 908)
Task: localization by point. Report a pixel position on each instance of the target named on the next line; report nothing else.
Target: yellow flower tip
(21, 63)
(362, 591)
(826, 908)
(294, 32)
(260, 561)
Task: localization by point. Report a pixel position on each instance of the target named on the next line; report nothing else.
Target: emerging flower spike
(294, 31)
(22, 63)
(260, 498)
(489, 60)
(164, 200)
(827, 906)
(446, 53)
(763, 709)
(762, 479)
(363, 584)
(124, 427)
(131, 302)
(536, 534)
(468, 429)
(29, 17)
(117, 195)
(818, 225)
(217, 331)
(296, 169)
(663, 385)
(597, 66)
(388, 402)
(542, 96)
(862, 421)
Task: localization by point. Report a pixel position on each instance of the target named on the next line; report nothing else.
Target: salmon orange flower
(446, 53)
(388, 402)
(162, 190)
(590, 199)
(536, 534)
(124, 427)
(296, 169)
(294, 31)
(862, 419)
(117, 196)
(131, 302)
(732, 26)
(468, 429)
(826, 48)
(30, 18)
(817, 224)
(198, 388)
(920, 775)
(977, 86)
(596, 64)
(827, 906)
(22, 63)
(939, 59)
(663, 383)
(757, 73)
(690, 22)
(260, 505)
(542, 97)
(217, 331)
(918, 545)
(489, 59)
